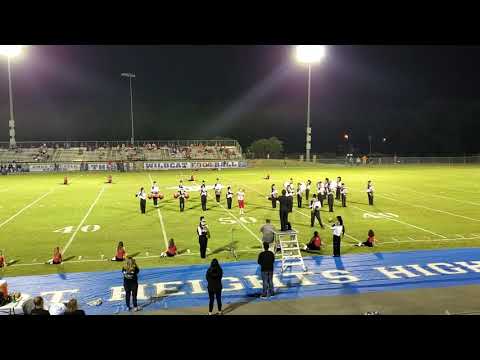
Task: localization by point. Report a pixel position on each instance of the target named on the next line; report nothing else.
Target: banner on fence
(68, 167)
(102, 166)
(194, 165)
(41, 167)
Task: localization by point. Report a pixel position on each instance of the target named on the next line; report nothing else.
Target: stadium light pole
(11, 51)
(130, 76)
(309, 54)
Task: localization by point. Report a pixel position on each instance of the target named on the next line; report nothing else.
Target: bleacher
(59, 152)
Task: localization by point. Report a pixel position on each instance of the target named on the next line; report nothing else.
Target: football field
(416, 207)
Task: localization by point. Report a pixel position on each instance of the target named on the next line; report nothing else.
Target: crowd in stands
(11, 167)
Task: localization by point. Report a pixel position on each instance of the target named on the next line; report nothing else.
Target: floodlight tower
(130, 76)
(11, 51)
(309, 54)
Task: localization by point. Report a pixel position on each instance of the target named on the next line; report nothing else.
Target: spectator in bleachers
(72, 308)
(38, 307)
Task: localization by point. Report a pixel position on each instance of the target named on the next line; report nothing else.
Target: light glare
(11, 51)
(309, 54)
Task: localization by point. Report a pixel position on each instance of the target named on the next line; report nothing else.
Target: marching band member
(65, 180)
(109, 179)
(180, 186)
(241, 201)
(338, 230)
(143, 199)
(338, 189)
(370, 190)
(154, 191)
(203, 195)
(307, 189)
(333, 186)
(290, 196)
(182, 195)
(299, 195)
(343, 192)
(321, 192)
(229, 197)
(273, 196)
(330, 199)
(315, 206)
(203, 235)
(218, 190)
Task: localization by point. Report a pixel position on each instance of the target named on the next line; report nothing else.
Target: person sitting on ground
(72, 308)
(120, 254)
(315, 243)
(171, 251)
(370, 241)
(3, 261)
(57, 257)
(38, 307)
(192, 178)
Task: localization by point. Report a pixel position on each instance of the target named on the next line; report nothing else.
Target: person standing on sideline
(338, 189)
(155, 190)
(307, 189)
(284, 209)
(130, 282)
(203, 235)
(214, 279)
(229, 197)
(218, 190)
(370, 191)
(266, 260)
(273, 196)
(143, 199)
(203, 195)
(330, 193)
(241, 201)
(267, 231)
(315, 213)
(338, 230)
(343, 192)
(299, 195)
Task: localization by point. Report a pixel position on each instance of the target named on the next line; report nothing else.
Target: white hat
(57, 309)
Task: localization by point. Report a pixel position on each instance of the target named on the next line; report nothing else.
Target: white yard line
(439, 196)
(160, 217)
(65, 248)
(241, 223)
(25, 208)
(428, 208)
(430, 240)
(401, 222)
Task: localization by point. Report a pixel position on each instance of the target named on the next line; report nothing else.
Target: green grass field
(416, 207)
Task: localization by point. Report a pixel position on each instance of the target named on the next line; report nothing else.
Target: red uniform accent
(317, 241)
(120, 253)
(2, 261)
(241, 204)
(172, 250)
(57, 259)
(65, 181)
(371, 239)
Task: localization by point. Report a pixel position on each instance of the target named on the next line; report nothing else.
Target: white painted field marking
(412, 239)
(439, 196)
(395, 239)
(429, 240)
(25, 208)
(460, 236)
(160, 217)
(241, 223)
(403, 222)
(428, 208)
(65, 248)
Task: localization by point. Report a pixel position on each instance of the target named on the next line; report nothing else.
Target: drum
(176, 195)
(160, 196)
(187, 196)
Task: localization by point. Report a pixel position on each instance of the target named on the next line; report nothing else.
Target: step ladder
(287, 242)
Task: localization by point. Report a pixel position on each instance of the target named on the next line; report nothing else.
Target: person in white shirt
(241, 201)
(321, 192)
(299, 195)
(229, 197)
(333, 187)
(343, 192)
(307, 189)
(218, 190)
(273, 196)
(338, 190)
(182, 195)
(154, 191)
(142, 195)
(180, 186)
(315, 213)
(203, 235)
(370, 190)
(330, 196)
(338, 230)
(203, 195)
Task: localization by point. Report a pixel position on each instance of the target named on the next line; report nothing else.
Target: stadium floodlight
(11, 51)
(309, 54)
(130, 76)
(346, 137)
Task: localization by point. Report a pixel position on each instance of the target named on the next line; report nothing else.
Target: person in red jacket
(65, 181)
(370, 241)
(315, 243)
(3, 261)
(171, 251)
(121, 253)
(57, 257)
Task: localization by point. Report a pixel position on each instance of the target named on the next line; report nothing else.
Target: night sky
(423, 99)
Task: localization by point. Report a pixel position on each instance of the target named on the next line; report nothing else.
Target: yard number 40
(86, 228)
